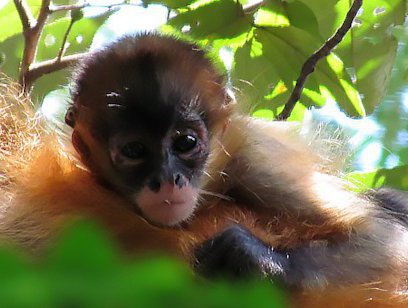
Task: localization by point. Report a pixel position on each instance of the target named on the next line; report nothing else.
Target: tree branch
(43, 15)
(64, 40)
(46, 67)
(24, 12)
(31, 31)
(310, 64)
(60, 8)
(253, 7)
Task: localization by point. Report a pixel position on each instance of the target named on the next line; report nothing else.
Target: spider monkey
(166, 163)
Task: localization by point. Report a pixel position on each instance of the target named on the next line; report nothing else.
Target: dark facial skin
(143, 134)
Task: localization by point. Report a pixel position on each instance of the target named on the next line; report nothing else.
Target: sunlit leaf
(272, 14)
(264, 114)
(258, 69)
(396, 178)
(221, 19)
(252, 75)
(370, 48)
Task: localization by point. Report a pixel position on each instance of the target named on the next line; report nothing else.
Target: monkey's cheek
(168, 207)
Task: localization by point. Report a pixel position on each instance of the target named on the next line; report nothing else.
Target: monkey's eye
(185, 143)
(133, 150)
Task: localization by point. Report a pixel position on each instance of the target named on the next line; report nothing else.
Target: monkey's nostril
(179, 180)
(154, 185)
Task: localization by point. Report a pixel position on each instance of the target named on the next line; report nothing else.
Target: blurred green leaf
(83, 248)
(396, 177)
(74, 276)
(12, 49)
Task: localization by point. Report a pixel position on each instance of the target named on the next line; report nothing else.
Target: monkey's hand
(236, 253)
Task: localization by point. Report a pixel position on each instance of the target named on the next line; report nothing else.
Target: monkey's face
(155, 159)
(142, 112)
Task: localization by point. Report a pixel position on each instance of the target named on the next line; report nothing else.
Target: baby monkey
(153, 123)
(147, 113)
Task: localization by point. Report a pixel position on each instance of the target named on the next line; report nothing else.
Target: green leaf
(83, 248)
(264, 114)
(76, 274)
(370, 49)
(12, 49)
(272, 14)
(254, 76)
(301, 16)
(221, 19)
(396, 177)
(278, 54)
(328, 16)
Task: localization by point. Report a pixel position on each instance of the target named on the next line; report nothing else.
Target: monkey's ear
(70, 116)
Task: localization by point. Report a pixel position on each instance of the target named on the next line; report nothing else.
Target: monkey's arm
(271, 172)
(375, 256)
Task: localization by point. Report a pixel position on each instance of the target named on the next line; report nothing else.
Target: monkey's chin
(169, 206)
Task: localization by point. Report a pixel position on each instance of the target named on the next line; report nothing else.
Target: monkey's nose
(179, 180)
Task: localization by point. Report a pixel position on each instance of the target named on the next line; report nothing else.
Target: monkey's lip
(169, 206)
(171, 202)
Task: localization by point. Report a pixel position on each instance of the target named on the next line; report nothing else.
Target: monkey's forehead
(150, 71)
(133, 59)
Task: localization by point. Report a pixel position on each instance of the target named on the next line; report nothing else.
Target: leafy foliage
(272, 42)
(396, 177)
(84, 269)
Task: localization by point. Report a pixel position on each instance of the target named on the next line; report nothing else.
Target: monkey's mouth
(169, 206)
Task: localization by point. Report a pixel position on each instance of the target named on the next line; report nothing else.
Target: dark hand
(236, 253)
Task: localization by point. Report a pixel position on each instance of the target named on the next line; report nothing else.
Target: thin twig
(43, 15)
(310, 64)
(253, 7)
(26, 17)
(168, 14)
(60, 8)
(32, 30)
(64, 40)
